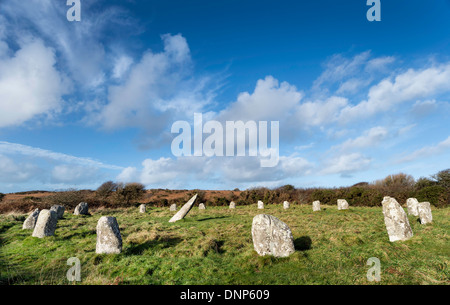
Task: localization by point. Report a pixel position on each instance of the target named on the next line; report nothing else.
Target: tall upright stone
(173, 207)
(413, 206)
(425, 213)
(232, 205)
(46, 224)
(286, 205)
(81, 209)
(316, 206)
(59, 209)
(142, 208)
(396, 220)
(31, 220)
(271, 236)
(260, 205)
(201, 206)
(184, 210)
(109, 240)
(342, 204)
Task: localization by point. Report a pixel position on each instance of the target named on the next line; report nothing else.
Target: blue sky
(86, 102)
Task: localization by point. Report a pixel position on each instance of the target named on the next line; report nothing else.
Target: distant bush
(435, 194)
(106, 189)
(125, 193)
(2, 196)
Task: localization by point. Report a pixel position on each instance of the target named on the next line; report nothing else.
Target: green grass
(214, 246)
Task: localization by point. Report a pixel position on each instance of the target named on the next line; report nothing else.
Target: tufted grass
(214, 246)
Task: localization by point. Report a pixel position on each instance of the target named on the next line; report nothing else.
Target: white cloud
(13, 172)
(370, 138)
(30, 85)
(345, 164)
(71, 174)
(428, 151)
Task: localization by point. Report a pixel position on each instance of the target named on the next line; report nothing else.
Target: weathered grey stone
(232, 205)
(173, 207)
(142, 208)
(31, 220)
(260, 205)
(316, 206)
(82, 209)
(46, 224)
(184, 210)
(109, 240)
(342, 204)
(413, 206)
(271, 236)
(286, 205)
(425, 213)
(396, 220)
(59, 209)
(201, 206)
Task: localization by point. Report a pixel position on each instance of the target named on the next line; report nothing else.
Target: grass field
(214, 246)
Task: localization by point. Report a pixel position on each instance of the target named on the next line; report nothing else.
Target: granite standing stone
(271, 236)
(232, 205)
(31, 220)
(260, 205)
(142, 208)
(82, 209)
(46, 224)
(173, 207)
(286, 205)
(59, 209)
(184, 210)
(413, 206)
(316, 206)
(342, 204)
(396, 220)
(425, 213)
(201, 206)
(109, 240)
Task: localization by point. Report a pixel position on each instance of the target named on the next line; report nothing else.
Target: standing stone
(232, 205)
(260, 205)
(286, 205)
(184, 210)
(109, 240)
(173, 207)
(46, 224)
(142, 208)
(413, 206)
(271, 236)
(396, 220)
(31, 220)
(201, 206)
(59, 209)
(342, 204)
(82, 209)
(316, 206)
(425, 213)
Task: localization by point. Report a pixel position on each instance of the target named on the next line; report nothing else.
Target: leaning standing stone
(173, 207)
(142, 208)
(31, 220)
(342, 204)
(413, 206)
(59, 209)
(184, 210)
(271, 236)
(286, 205)
(425, 213)
(316, 206)
(82, 209)
(396, 220)
(109, 240)
(232, 205)
(260, 205)
(46, 224)
(201, 206)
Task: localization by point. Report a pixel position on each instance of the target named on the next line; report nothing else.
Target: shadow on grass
(138, 249)
(303, 243)
(213, 218)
